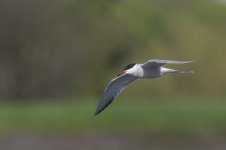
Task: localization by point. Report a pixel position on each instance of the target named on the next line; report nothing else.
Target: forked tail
(185, 71)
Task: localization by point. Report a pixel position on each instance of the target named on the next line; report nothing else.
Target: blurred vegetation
(73, 48)
(193, 116)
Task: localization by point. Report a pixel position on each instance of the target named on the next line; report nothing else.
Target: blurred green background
(56, 57)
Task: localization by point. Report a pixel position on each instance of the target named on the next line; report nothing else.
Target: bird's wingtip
(96, 113)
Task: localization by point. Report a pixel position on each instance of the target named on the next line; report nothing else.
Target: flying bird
(151, 69)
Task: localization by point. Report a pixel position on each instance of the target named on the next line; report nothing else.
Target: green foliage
(58, 48)
(162, 116)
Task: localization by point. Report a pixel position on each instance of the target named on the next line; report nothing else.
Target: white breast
(136, 71)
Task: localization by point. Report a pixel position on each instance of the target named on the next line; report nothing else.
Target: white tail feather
(186, 71)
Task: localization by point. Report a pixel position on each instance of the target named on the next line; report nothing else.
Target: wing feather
(114, 88)
(159, 63)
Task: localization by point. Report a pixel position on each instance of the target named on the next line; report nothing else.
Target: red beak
(121, 73)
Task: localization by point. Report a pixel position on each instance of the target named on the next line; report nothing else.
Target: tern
(151, 69)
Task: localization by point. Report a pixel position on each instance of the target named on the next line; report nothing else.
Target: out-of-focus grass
(190, 116)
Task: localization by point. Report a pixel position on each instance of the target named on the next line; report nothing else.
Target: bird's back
(151, 72)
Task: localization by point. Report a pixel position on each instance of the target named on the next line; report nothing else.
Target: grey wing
(159, 63)
(115, 87)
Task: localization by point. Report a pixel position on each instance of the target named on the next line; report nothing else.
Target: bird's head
(127, 67)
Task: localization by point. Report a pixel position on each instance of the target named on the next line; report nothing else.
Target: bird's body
(152, 72)
(151, 69)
